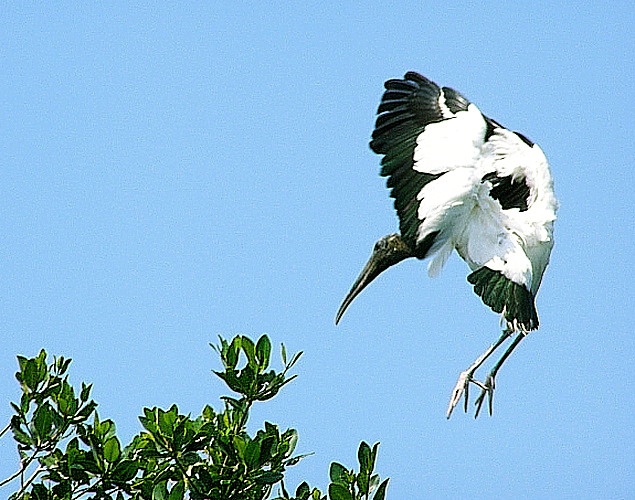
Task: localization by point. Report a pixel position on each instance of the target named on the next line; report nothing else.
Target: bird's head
(388, 251)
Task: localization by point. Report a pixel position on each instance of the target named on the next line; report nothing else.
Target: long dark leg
(466, 376)
(489, 385)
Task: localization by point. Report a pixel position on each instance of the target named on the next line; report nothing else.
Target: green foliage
(63, 455)
(345, 483)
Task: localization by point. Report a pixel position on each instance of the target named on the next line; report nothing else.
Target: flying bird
(462, 181)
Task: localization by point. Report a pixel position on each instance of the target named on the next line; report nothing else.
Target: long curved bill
(388, 251)
(372, 269)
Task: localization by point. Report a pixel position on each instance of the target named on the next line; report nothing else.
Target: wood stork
(462, 181)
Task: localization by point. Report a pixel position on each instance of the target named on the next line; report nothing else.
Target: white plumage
(462, 181)
(460, 206)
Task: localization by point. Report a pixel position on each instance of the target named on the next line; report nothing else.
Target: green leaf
(85, 392)
(85, 412)
(291, 436)
(232, 381)
(231, 353)
(66, 401)
(39, 492)
(166, 421)
(380, 494)
(364, 457)
(302, 490)
(25, 403)
(61, 364)
(43, 421)
(266, 446)
(373, 456)
(160, 491)
(295, 359)
(178, 491)
(105, 429)
(374, 482)
(263, 351)
(20, 436)
(112, 450)
(363, 482)
(31, 374)
(272, 429)
(283, 352)
(240, 445)
(208, 412)
(252, 454)
(125, 471)
(22, 361)
(250, 351)
(339, 492)
(269, 477)
(338, 473)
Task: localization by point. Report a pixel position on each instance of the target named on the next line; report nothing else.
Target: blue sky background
(170, 173)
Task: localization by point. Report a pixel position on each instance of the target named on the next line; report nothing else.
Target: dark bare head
(388, 251)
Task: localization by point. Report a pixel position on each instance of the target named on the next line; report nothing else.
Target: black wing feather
(407, 106)
(504, 296)
(510, 192)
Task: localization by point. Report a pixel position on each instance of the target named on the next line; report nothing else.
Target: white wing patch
(452, 143)
(488, 241)
(444, 206)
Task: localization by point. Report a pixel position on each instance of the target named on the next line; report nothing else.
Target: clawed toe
(486, 389)
(462, 388)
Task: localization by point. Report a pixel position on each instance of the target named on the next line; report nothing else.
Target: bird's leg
(488, 386)
(467, 376)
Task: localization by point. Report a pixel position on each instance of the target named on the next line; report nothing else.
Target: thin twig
(4, 431)
(23, 468)
(28, 482)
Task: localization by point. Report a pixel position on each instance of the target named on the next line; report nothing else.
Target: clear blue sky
(172, 173)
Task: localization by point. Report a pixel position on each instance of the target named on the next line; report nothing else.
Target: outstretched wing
(424, 131)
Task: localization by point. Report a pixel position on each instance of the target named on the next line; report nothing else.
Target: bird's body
(461, 181)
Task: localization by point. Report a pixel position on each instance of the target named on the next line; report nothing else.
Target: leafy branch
(175, 456)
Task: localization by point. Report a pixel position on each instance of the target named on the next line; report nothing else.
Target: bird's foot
(487, 389)
(462, 389)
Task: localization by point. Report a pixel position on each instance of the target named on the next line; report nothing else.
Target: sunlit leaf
(112, 450)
